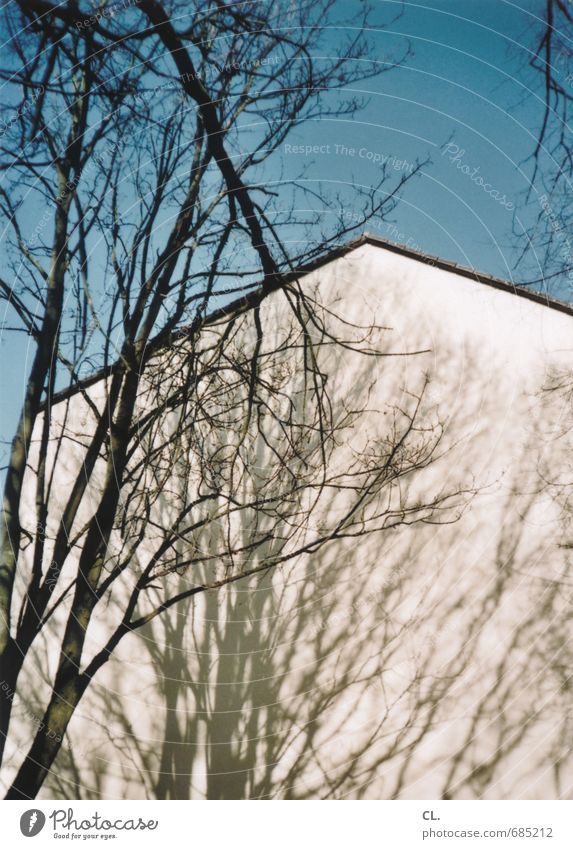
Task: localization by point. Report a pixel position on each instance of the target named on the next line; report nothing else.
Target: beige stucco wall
(425, 661)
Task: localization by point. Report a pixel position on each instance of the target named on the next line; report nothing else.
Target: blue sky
(464, 99)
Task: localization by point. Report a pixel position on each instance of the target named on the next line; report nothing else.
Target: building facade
(425, 652)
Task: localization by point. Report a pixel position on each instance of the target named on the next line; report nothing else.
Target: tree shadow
(428, 660)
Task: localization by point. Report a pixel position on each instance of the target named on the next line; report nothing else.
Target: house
(428, 659)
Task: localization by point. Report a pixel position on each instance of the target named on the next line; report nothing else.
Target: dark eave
(471, 273)
(246, 302)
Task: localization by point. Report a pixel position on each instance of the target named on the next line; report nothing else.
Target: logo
(32, 822)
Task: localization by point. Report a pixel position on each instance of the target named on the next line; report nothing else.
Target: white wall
(424, 661)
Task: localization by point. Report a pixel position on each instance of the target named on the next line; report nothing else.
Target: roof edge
(470, 273)
(246, 302)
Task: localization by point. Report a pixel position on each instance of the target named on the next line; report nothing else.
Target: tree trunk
(48, 740)
(10, 665)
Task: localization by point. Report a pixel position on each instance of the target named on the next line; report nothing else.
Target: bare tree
(547, 244)
(551, 189)
(375, 670)
(164, 403)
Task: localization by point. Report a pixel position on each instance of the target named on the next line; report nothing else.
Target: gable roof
(465, 271)
(246, 302)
